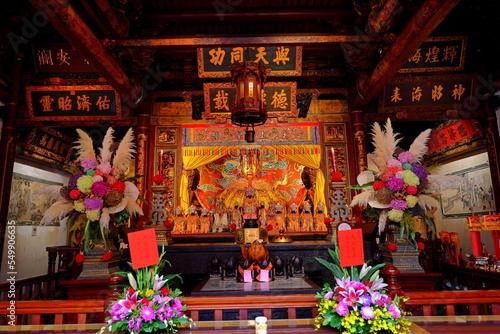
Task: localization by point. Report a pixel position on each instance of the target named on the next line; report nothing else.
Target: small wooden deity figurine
(236, 216)
(306, 217)
(192, 220)
(293, 218)
(320, 218)
(280, 217)
(179, 221)
(250, 205)
(204, 220)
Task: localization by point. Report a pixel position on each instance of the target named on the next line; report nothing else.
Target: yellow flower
(149, 292)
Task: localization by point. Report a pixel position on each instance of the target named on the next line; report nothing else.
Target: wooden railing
(60, 260)
(476, 302)
(243, 304)
(39, 287)
(462, 302)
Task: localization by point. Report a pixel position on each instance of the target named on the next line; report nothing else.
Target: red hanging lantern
(249, 108)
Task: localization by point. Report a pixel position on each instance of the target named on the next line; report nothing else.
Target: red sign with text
(351, 247)
(143, 248)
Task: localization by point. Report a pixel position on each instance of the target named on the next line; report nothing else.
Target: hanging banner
(233, 135)
(281, 60)
(437, 54)
(280, 97)
(59, 58)
(73, 103)
(427, 93)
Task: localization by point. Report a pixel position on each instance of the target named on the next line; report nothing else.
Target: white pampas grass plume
(391, 142)
(382, 220)
(379, 156)
(419, 146)
(133, 208)
(58, 211)
(84, 146)
(104, 220)
(438, 183)
(427, 202)
(124, 153)
(53, 191)
(363, 198)
(105, 152)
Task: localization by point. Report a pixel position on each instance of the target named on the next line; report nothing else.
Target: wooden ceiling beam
(250, 14)
(70, 25)
(420, 26)
(296, 39)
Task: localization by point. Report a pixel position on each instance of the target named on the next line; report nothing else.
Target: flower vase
(406, 255)
(96, 265)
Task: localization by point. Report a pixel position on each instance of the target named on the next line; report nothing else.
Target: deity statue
(293, 218)
(320, 217)
(280, 217)
(236, 217)
(204, 220)
(192, 220)
(263, 214)
(179, 221)
(306, 217)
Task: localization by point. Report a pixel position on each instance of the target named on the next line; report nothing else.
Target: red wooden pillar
(8, 148)
(141, 161)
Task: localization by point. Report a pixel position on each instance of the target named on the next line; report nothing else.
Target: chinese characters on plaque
(437, 54)
(281, 60)
(69, 103)
(59, 58)
(435, 92)
(280, 98)
(452, 134)
(48, 145)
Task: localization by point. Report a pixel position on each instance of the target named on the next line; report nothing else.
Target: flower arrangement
(148, 304)
(98, 188)
(359, 303)
(401, 187)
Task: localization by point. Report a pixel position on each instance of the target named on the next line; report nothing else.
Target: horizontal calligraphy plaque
(59, 58)
(280, 97)
(427, 93)
(437, 54)
(281, 60)
(453, 134)
(46, 143)
(73, 103)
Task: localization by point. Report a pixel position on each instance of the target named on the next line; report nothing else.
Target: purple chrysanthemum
(73, 179)
(93, 203)
(87, 164)
(365, 300)
(147, 313)
(405, 157)
(394, 183)
(420, 171)
(398, 204)
(394, 311)
(342, 309)
(367, 312)
(100, 188)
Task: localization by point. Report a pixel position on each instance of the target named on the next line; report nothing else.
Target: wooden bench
(37, 312)
(243, 304)
(463, 302)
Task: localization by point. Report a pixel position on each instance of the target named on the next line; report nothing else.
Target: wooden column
(8, 148)
(359, 133)
(141, 161)
(493, 147)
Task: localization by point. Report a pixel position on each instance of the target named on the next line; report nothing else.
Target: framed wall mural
(472, 196)
(25, 207)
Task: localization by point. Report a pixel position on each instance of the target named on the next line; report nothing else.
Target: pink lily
(130, 301)
(351, 297)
